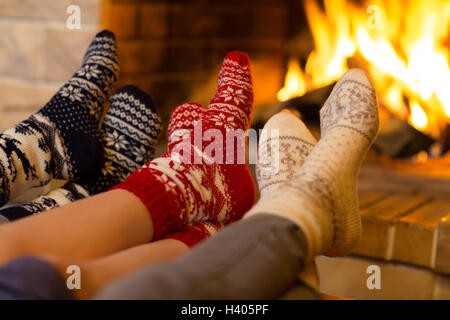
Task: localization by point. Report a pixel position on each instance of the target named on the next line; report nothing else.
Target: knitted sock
(130, 131)
(62, 139)
(181, 123)
(284, 144)
(192, 182)
(321, 197)
(192, 234)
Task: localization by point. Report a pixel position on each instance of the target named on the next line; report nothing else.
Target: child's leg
(50, 272)
(86, 229)
(96, 273)
(46, 277)
(258, 258)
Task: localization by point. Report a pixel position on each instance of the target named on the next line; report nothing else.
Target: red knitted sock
(203, 176)
(192, 234)
(181, 123)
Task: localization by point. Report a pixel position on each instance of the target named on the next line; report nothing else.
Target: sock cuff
(313, 226)
(160, 201)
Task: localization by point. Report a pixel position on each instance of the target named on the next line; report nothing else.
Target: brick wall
(173, 48)
(38, 53)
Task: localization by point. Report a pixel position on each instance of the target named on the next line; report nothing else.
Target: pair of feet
(65, 139)
(319, 196)
(314, 184)
(62, 140)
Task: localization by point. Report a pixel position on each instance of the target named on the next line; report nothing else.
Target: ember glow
(404, 46)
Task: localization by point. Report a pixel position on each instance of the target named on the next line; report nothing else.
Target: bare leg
(86, 229)
(98, 272)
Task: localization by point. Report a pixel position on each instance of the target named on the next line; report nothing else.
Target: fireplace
(172, 49)
(298, 50)
(404, 185)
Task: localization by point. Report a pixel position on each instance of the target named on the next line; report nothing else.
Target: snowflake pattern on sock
(62, 139)
(130, 132)
(75, 111)
(322, 196)
(284, 144)
(194, 191)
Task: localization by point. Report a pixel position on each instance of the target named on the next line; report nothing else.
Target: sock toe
(106, 33)
(240, 57)
(145, 100)
(133, 114)
(232, 105)
(290, 125)
(356, 75)
(131, 130)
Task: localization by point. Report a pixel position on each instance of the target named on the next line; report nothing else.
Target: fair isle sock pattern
(284, 144)
(62, 140)
(182, 121)
(178, 190)
(321, 197)
(130, 132)
(70, 192)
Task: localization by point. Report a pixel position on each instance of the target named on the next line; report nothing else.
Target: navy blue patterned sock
(62, 140)
(130, 131)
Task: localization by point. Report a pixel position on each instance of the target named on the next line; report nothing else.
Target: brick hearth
(405, 210)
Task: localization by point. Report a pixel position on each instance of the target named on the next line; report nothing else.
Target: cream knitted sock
(321, 198)
(284, 144)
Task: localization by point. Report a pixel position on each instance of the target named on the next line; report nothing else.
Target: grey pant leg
(257, 258)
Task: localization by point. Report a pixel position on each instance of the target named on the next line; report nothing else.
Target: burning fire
(400, 43)
(294, 85)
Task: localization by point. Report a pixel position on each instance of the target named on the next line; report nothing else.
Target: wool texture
(62, 140)
(284, 144)
(192, 181)
(321, 197)
(130, 130)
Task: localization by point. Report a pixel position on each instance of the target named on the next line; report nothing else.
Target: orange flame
(400, 43)
(418, 117)
(294, 85)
